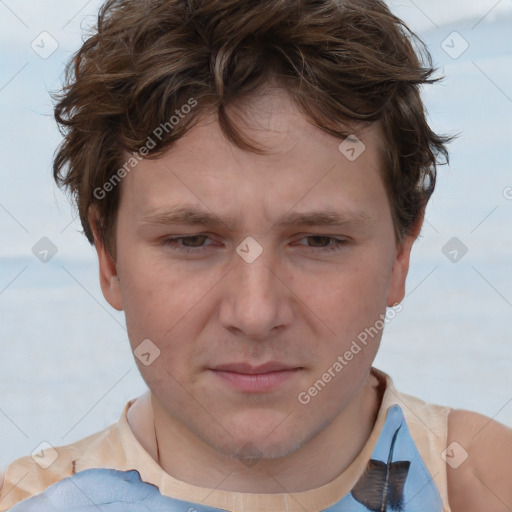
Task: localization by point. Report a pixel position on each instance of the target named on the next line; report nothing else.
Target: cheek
(165, 303)
(351, 304)
(347, 296)
(153, 297)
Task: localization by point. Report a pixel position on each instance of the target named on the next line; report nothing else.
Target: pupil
(194, 241)
(320, 240)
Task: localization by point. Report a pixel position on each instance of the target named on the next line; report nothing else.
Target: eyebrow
(183, 215)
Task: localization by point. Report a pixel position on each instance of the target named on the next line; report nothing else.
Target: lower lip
(256, 383)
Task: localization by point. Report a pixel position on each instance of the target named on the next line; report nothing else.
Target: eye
(193, 243)
(324, 242)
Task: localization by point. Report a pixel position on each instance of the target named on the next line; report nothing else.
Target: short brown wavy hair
(340, 61)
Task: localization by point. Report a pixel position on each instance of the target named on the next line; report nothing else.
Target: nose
(255, 301)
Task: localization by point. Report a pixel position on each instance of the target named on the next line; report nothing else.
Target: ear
(396, 292)
(109, 282)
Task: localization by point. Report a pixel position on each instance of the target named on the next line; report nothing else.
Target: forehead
(301, 165)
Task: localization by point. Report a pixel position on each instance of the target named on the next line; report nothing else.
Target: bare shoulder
(479, 463)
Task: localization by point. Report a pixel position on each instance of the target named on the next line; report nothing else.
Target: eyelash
(335, 245)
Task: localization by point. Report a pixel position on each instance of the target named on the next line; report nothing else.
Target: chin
(261, 438)
(250, 450)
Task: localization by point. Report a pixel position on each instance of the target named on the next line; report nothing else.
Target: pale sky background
(66, 369)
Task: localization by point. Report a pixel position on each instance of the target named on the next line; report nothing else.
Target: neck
(187, 458)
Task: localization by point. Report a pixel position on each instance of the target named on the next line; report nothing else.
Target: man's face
(244, 335)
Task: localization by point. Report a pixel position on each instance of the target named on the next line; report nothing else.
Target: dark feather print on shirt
(381, 487)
